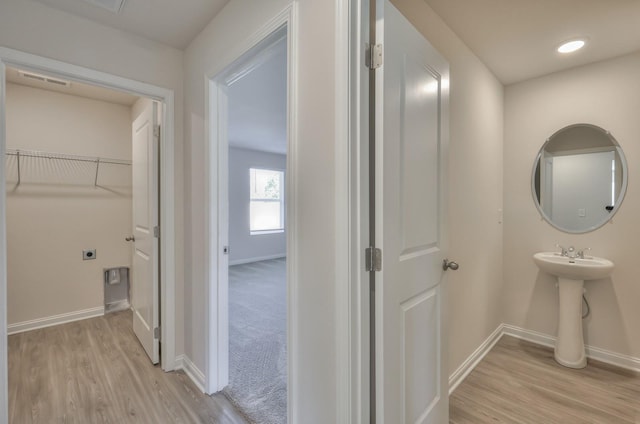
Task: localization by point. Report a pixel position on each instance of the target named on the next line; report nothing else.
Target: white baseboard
(34, 324)
(257, 259)
(529, 335)
(602, 355)
(183, 362)
(596, 353)
(474, 359)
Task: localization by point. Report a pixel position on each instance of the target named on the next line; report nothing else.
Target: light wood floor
(95, 371)
(520, 383)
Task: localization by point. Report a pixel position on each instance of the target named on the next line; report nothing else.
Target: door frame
(16, 58)
(216, 165)
(352, 186)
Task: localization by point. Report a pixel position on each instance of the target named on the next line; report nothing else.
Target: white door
(144, 281)
(583, 186)
(411, 143)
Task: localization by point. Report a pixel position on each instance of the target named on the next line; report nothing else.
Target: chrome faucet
(563, 250)
(581, 252)
(571, 252)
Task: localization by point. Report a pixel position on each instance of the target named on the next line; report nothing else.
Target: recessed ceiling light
(571, 46)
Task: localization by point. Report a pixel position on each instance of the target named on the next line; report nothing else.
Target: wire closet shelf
(24, 157)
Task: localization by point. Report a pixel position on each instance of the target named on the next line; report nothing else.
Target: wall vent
(114, 6)
(44, 79)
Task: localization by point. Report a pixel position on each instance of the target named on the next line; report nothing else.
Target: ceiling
(517, 39)
(258, 103)
(74, 89)
(171, 22)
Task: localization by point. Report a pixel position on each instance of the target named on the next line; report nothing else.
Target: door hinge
(156, 231)
(374, 56)
(156, 333)
(156, 131)
(373, 259)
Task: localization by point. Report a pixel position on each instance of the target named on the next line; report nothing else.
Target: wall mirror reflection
(579, 178)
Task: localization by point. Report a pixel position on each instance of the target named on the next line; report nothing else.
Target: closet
(69, 197)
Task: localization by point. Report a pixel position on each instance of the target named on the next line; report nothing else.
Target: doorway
(69, 201)
(251, 204)
(63, 71)
(257, 135)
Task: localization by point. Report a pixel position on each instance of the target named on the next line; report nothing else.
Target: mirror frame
(623, 188)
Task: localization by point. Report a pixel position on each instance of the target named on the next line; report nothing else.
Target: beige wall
(315, 328)
(475, 187)
(606, 94)
(56, 211)
(32, 27)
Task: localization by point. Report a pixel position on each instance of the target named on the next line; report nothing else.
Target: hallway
(95, 371)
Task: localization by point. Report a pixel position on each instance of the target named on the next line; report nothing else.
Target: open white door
(144, 281)
(411, 143)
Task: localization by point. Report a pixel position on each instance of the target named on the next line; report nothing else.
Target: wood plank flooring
(95, 371)
(519, 383)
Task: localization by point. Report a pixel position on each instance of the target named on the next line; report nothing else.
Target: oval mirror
(579, 178)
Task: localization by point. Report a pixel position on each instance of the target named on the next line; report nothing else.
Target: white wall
(606, 94)
(243, 246)
(475, 186)
(32, 27)
(315, 333)
(49, 224)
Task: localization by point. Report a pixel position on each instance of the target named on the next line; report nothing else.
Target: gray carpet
(257, 341)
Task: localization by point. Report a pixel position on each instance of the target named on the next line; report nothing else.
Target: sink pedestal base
(570, 344)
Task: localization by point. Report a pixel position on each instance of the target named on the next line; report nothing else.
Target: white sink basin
(590, 268)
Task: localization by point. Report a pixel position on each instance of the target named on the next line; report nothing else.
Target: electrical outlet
(88, 254)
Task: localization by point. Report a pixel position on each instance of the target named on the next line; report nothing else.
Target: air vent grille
(44, 79)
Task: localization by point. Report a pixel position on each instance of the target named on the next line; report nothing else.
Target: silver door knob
(132, 238)
(447, 264)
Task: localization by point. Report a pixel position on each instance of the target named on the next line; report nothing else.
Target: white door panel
(411, 136)
(144, 282)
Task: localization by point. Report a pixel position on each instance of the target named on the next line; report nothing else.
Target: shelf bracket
(18, 156)
(95, 183)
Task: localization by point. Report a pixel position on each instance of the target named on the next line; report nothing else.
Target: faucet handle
(563, 250)
(581, 252)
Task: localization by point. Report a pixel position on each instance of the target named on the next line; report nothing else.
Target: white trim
(290, 17)
(528, 335)
(352, 216)
(257, 259)
(184, 363)
(613, 358)
(346, 331)
(474, 359)
(266, 232)
(216, 303)
(64, 70)
(34, 324)
(360, 174)
(596, 353)
(4, 375)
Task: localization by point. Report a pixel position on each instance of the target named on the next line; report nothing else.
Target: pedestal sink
(571, 273)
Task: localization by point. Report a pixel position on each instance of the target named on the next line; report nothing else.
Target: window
(266, 201)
